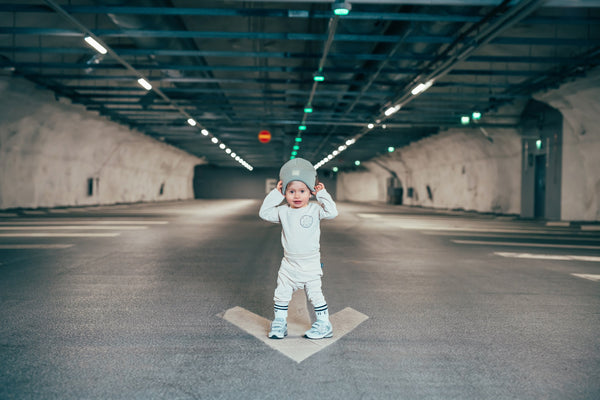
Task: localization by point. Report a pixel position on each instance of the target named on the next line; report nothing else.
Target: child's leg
(281, 310)
(322, 327)
(282, 297)
(315, 295)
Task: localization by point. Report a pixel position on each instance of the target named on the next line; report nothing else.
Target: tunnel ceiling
(240, 67)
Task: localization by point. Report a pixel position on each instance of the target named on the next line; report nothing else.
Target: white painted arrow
(295, 345)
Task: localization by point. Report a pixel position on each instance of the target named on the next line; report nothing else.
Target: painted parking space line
(443, 228)
(591, 277)
(557, 257)
(575, 236)
(62, 221)
(53, 234)
(558, 223)
(550, 245)
(70, 227)
(295, 346)
(34, 246)
(590, 227)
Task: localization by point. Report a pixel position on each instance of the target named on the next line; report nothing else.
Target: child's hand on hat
(280, 187)
(319, 186)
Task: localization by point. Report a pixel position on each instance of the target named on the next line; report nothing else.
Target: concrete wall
(49, 149)
(579, 103)
(235, 183)
(465, 170)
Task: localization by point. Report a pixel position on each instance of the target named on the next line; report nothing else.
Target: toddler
(301, 266)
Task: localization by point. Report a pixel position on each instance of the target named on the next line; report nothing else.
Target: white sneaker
(278, 329)
(319, 330)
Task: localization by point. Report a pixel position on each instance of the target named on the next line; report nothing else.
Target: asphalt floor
(131, 302)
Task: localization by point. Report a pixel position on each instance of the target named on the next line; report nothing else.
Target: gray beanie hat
(298, 169)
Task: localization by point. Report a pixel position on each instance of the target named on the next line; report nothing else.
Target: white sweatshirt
(300, 227)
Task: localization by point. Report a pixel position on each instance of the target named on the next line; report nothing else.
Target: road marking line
(49, 234)
(591, 277)
(34, 246)
(483, 230)
(8, 215)
(70, 227)
(63, 221)
(562, 246)
(558, 223)
(365, 215)
(548, 256)
(295, 346)
(590, 227)
(574, 236)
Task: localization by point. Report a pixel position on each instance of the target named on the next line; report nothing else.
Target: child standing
(300, 236)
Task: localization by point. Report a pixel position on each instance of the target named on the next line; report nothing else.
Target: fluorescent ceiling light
(204, 132)
(92, 42)
(191, 122)
(144, 83)
(214, 140)
(391, 110)
(222, 146)
(421, 87)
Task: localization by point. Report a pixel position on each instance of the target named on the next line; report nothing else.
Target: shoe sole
(329, 335)
(277, 337)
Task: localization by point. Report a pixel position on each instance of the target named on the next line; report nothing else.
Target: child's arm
(328, 207)
(268, 210)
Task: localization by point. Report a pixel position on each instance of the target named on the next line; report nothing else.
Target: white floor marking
(83, 222)
(575, 236)
(482, 230)
(70, 227)
(558, 223)
(49, 234)
(364, 215)
(34, 246)
(562, 246)
(591, 277)
(295, 346)
(558, 257)
(590, 227)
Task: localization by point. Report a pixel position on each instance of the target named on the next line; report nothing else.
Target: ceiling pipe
(488, 33)
(86, 31)
(460, 3)
(513, 16)
(331, 28)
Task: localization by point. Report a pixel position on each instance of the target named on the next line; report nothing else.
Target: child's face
(297, 194)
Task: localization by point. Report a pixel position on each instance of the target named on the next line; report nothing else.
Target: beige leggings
(286, 285)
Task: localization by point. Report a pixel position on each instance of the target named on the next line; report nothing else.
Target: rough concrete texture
(49, 149)
(465, 170)
(579, 105)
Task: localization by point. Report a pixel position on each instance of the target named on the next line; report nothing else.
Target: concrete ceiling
(240, 67)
